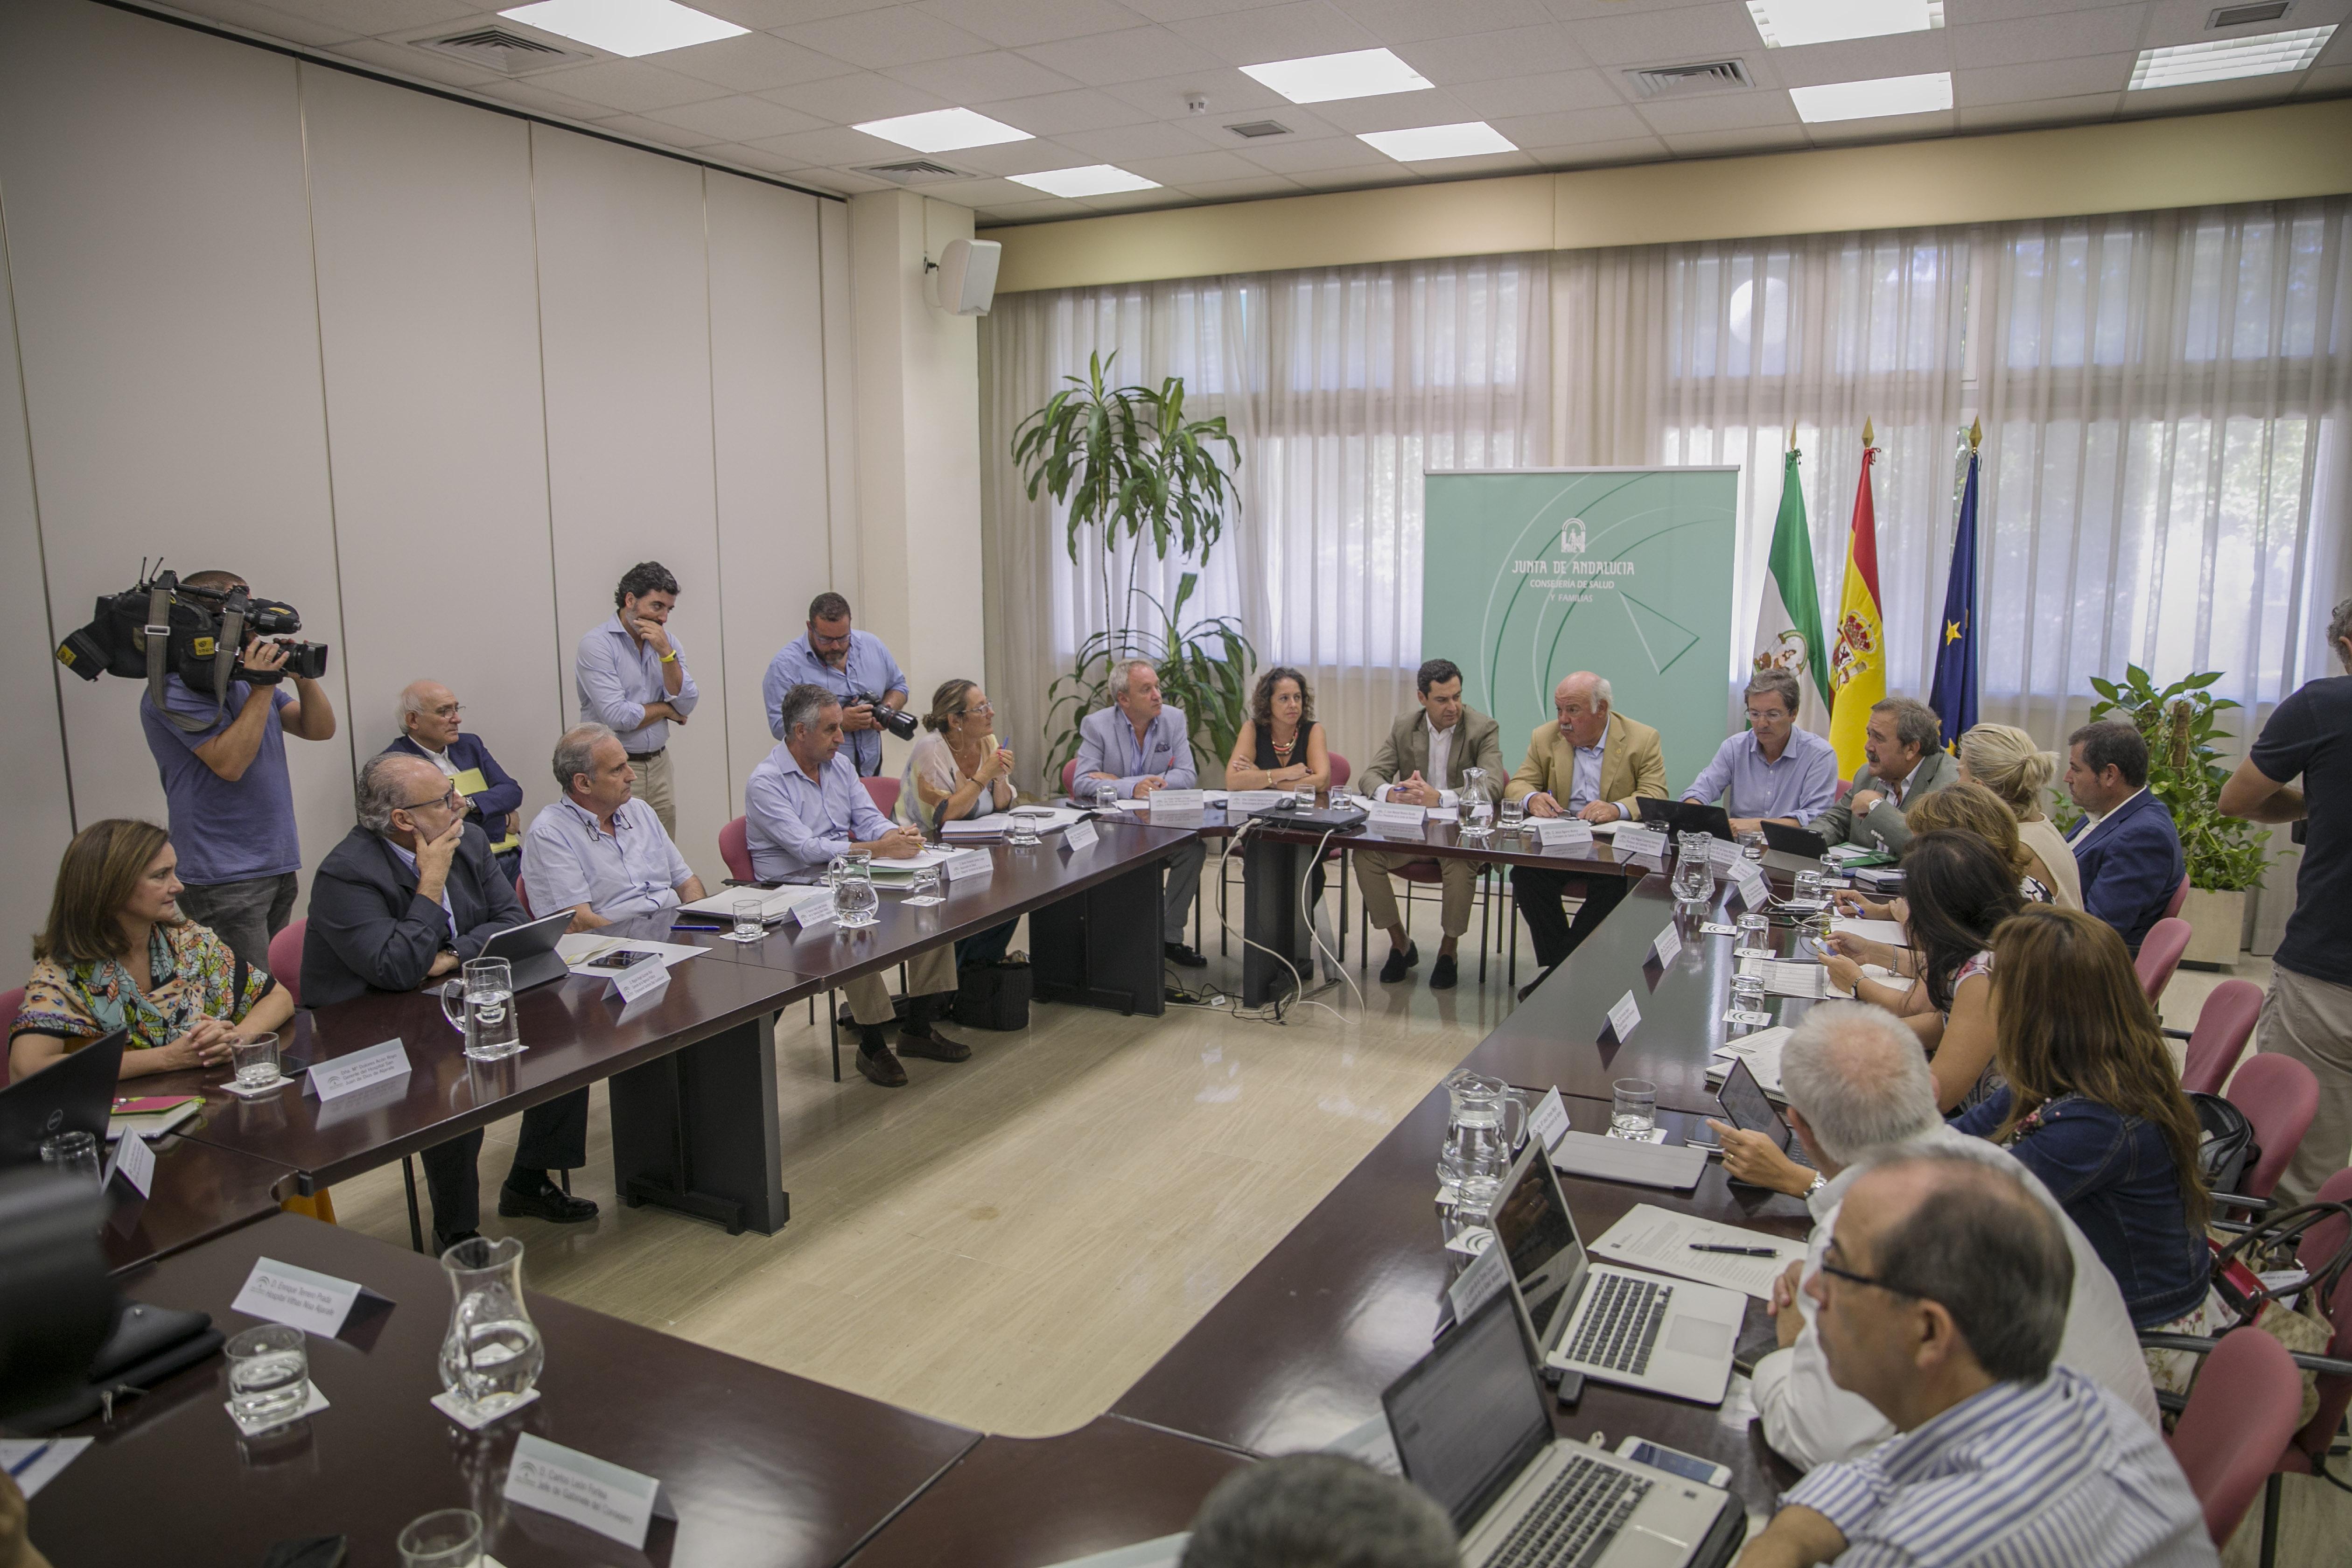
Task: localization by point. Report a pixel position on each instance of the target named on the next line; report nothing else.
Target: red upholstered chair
(885, 793)
(1069, 777)
(285, 958)
(2159, 956)
(2224, 1026)
(2279, 1096)
(522, 896)
(1339, 769)
(2180, 896)
(1844, 788)
(9, 1002)
(2245, 1406)
(735, 848)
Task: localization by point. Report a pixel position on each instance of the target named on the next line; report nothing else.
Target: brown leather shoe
(932, 1045)
(880, 1066)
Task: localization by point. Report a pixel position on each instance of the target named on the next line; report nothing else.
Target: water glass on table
(924, 889)
(1809, 885)
(751, 923)
(450, 1538)
(1106, 796)
(1633, 1111)
(1511, 815)
(256, 1061)
(73, 1155)
(1474, 1206)
(1020, 828)
(1755, 929)
(1748, 992)
(269, 1373)
(1752, 844)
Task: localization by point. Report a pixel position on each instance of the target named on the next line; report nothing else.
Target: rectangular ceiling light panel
(1872, 99)
(942, 131)
(1787, 24)
(1425, 143)
(1322, 79)
(2225, 59)
(629, 28)
(1092, 180)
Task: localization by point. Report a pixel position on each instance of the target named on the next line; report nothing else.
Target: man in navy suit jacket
(431, 727)
(2127, 848)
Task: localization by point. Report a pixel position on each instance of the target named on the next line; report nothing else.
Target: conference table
(772, 1468)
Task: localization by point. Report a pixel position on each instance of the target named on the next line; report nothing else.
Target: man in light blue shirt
(598, 851)
(846, 662)
(1143, 746)
(1772, 770)
(1940, 1298)
(803, 806)
(632, 679)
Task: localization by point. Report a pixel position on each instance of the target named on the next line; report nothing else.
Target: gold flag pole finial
(1976, 433)
(1868, 441)
(1792, 438)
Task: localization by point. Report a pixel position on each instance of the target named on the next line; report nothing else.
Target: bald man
(1589, 762)
(432, 726)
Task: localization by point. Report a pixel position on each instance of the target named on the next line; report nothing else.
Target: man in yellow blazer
(1592, 763)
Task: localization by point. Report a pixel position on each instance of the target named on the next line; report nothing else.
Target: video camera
(164, 626)
(898, 723)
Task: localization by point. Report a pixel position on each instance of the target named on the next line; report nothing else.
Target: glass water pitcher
(856, 902)
(491, 1356)
(1485, 1122)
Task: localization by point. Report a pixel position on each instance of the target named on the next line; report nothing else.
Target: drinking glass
(1474, 1204)
(485, 1013)
(74, 1155)
(451, 1538)
(256, 1060)
(1748, 992)
(1021, 829)
(1634, 1111)
(1809, 885)
(854, 903)
(1755, 929)
(926, 885)
(749, 920)
(1511, 815)
(269, 1373)
(1106, 796)
(1752, 844)
(1480, 1135)
(491, 1356)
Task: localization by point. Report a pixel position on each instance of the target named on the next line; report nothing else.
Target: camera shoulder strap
(159, 643)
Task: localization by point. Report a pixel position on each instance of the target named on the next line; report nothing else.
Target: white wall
(434, 374)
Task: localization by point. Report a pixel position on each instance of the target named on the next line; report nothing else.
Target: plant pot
(2217, 920)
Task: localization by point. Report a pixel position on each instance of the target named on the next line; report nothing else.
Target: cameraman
(850, 664)
(231, 801)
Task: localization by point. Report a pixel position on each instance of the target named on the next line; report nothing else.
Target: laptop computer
(1746, 1107)
(1794, 840)
(1684, 817)
(1618, 1325)
(71, 1096)
(1473, 1429)
(529, 950)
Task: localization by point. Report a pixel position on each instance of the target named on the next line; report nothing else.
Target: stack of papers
(1783, 977)
(775, 903)
(1652, 1237)
(579, 948)
(1761, 1051)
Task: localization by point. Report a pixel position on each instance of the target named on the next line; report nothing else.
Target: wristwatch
(1818, 1183)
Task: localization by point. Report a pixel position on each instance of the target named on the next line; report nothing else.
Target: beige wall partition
(434, 374)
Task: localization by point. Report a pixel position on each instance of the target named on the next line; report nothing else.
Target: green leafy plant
(1137, 473)
(2185, 770)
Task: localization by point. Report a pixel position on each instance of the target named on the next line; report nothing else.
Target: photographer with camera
(632, 679)
(852, 665)
(232, 803)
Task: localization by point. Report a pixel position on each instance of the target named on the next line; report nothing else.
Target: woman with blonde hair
(957, 769)
(2005, 760)
(1973, 809)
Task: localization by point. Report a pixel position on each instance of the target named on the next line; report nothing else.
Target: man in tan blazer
(1591, 763)
(1422, 764)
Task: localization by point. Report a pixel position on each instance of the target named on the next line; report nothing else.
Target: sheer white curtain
(1341, 386)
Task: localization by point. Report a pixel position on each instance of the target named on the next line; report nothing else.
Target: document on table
(1784, 978)
(1888, 932)
(1761, 1051)
(34, 1462)
(775, 903)
(996, 824)
(1653, 1237)
(578, 948)
(898, 871)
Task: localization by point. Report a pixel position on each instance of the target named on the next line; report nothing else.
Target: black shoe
(444, 1240)
(1440, 973)
(1528, 989)
(1394, 969)
(930, 1044)
(546, 1201)
(880, 1066)
(1178, 953)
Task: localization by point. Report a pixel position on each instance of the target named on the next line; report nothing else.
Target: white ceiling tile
(633, 87)
(409, 60)
(1551, 93)
(2325, 82)
(1627, 36)
(2111, 30)
(1252, 189)
(1597, 154)
(838, 146)
(1718, 112)
(2040, 79)
(971, 78)
(1138, 54)
(1287, 157)
(1614, 124)
(544, 100)
(1230, 94)
(271, 23)
(850, 100)
(1055, 112)
(739, 118)
(893, 36)
(753, 61)
(1891, 128)
(1484, 57)
(1119, 144)
(1387, 172)
(976, 193)
(1409, 21)
(1479, 167)
(766, 14)
(1276, 33)
(381, 16)
(1191, 168)
(637, 128)
(1177, 10)
(1016, 157)
(1724, 143)
(1859, 60)
(1969, 12)
(2040, 111)
(1010, 23)
(1395, 111)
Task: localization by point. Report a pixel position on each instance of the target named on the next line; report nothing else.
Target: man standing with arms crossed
(632, 679)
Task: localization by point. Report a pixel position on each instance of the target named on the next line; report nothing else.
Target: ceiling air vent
(2239, 16)
(912, 172)
(1710, 75)
(495, 48)
(1254, 129)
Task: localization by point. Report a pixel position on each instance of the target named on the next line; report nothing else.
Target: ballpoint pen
(1735, 1251)
(28, 1462)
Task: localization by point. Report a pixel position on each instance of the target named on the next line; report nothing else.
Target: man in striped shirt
(1941, 1299)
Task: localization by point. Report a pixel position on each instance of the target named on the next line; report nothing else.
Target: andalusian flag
(1789, 622)
(1858, 661)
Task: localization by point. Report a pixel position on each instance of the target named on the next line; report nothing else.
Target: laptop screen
(1743, 1101)
(1533, 1227)
(1470, 1414)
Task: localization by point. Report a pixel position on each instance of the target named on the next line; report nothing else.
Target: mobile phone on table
(621, 958)
(1674, 1461)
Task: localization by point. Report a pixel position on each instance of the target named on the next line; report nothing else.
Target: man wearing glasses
(846, 662)
(407, 897)
(1940, 1299)
(431, 726)
(1772, 771)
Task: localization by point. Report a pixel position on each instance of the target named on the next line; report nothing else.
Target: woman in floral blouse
(116, 954)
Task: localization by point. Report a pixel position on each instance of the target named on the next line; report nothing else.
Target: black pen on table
(1735, 1251)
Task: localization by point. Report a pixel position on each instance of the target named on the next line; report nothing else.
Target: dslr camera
(898, 723)
(163, 627)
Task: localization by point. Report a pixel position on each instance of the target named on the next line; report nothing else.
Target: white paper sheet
(1888, 932)
(775, 903)
(576, 948)
(1655, 1238)
(1785, 977)
(1761, 1051)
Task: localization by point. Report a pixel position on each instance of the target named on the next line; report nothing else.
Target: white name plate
(1564, 833)
(1080, 834)
(643, 978)
(1476, 1284)
(1548, 1122)
(357, 1070)
(975, 865)
(1386, 817)
(1749, 887)
(1623, 1018)
(814, 912)
(1176, 803)
(614, 1502)
(1241, 802)
(1632, 840)
(1666, 946)
(1746, 1019)
(134, 1161)
(1723, 852)
(299, 1297)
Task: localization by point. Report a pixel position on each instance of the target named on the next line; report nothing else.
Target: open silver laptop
(1645, 1331)
(1473, 1430)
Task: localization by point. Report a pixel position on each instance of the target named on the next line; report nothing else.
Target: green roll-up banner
(1530, 573)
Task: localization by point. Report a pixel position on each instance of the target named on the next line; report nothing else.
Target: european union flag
(1954, 694)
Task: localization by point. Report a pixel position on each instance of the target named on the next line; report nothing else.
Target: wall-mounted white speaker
(965, 276)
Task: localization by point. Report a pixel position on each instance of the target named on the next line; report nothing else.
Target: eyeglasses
(1852, 1278)
(452, 799)
(986, 710)
(449, 711)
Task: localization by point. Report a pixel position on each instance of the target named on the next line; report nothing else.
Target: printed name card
(1622, 1018)
(1632, 840)
(616, 1503)
(642, 978)
(1569, 833)
(134, 1161)
(1548, 1122)
(1241, 802)
(1715, 928)
(1080, 834)
(1476, 1284)
(1666, 947)
(1723, 852)
(1749, 887)
(1385, 817)
(357, 1070)
(978, 865)
(299, 1297)
(814, 912)
(1177, 803)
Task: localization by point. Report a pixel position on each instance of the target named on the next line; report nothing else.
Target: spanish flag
(1858, 657)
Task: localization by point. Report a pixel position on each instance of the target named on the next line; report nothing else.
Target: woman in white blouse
(957, 769)
(2006, 761)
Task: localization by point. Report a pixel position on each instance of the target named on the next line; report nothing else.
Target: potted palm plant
(1137, 473)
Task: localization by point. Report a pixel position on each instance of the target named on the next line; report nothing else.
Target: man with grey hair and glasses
(600, 851)
(1858, 1090)
(2308, 1013)
(408, 896)
(1903, 744)
(1940, 1299)
(1772, 771)
(1139, 746)
(433, 726)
